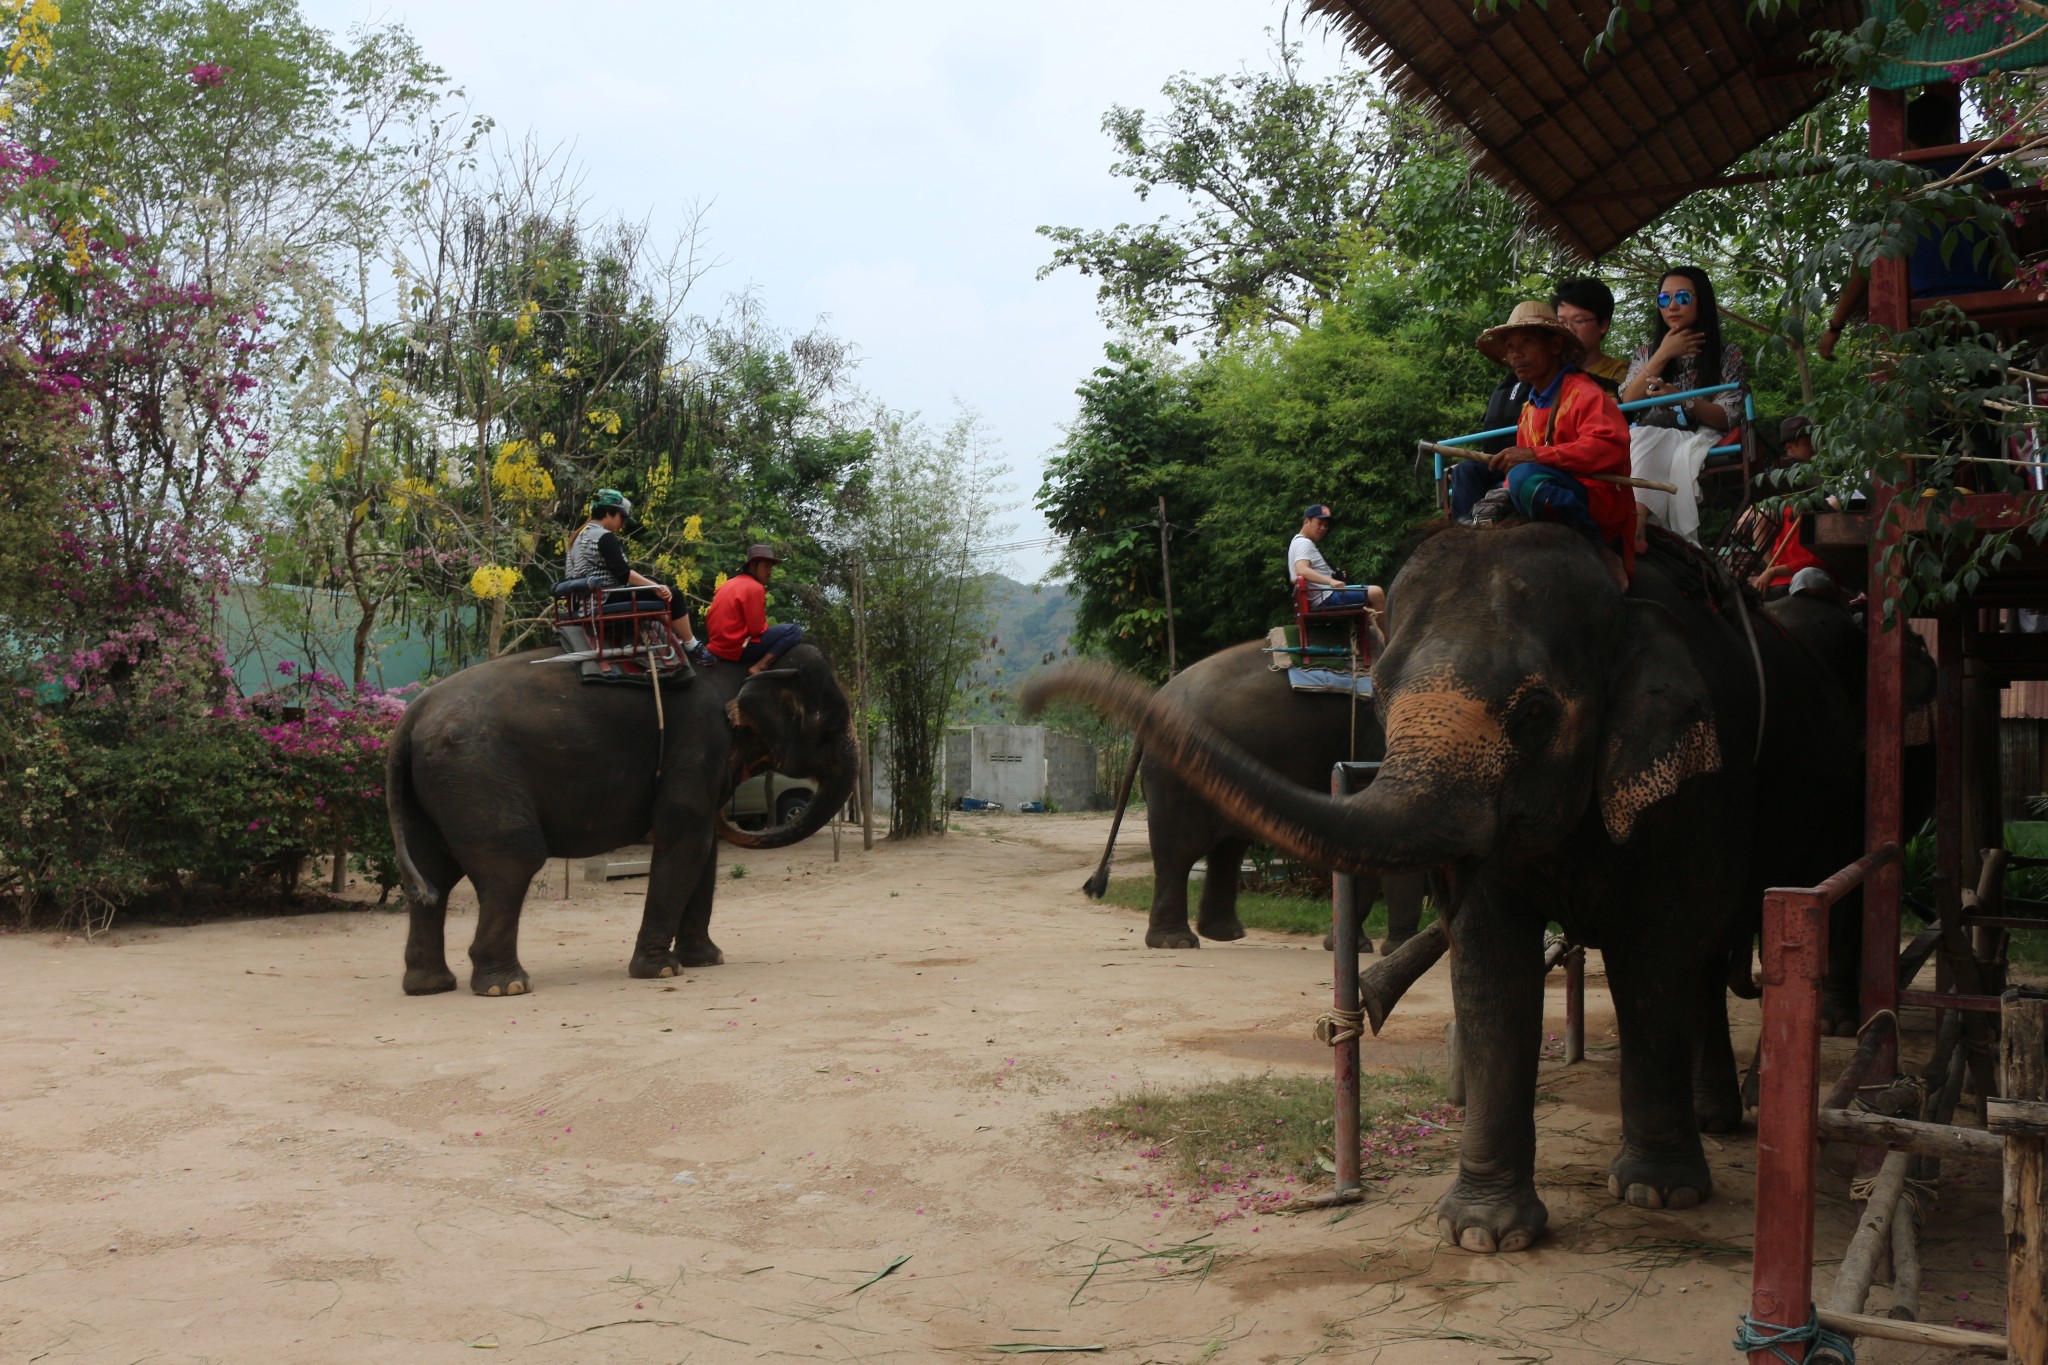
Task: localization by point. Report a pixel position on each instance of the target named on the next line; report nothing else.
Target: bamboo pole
(2023, 1067)
(1906, 1263)
(860, 654)
(1909, 1135)
(1873, 1237)
(1919, 1333)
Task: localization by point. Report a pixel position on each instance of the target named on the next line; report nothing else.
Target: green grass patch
(1268, 1128)
(1261, 909)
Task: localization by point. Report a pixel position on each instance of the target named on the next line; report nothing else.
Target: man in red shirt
(737, 620)
(1788, 553)
(1570, 431)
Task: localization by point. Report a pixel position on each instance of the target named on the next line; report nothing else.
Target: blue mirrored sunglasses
(1681, 298)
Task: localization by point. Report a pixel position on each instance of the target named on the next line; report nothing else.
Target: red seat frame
(1357, 621)
(616, 635)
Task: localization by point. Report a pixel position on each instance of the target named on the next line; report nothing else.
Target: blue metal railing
(1662, 400)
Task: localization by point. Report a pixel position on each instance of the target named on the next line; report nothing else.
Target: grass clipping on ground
(1252, 1144)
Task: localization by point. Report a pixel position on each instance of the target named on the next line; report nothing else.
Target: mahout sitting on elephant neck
(490, 773)
(1562, 751)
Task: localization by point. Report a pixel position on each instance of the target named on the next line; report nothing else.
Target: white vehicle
(754, 798)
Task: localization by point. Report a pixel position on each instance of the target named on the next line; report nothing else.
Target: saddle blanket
(1336, 680)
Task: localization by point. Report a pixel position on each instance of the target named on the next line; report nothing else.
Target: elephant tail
(408, 820)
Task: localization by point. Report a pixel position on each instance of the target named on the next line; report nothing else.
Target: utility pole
(1166, 573)
(860, 654)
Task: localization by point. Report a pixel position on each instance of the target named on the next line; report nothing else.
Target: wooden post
(1166, 575)
(1873, 1238)
(1884, 758)
(860, 656)
(2023, 1064)
(1345, 928)
(1575, 1005)
(1795, 954)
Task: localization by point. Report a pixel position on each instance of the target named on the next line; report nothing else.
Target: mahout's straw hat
(1530, 315)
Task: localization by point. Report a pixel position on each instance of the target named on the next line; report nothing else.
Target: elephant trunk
(1399, 823)
(835, 787)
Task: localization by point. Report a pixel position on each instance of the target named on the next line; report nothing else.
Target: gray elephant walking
(1616, 763)
(1299, 735)
(505, 765)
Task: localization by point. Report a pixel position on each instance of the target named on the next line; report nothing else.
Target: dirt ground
(240, 1142)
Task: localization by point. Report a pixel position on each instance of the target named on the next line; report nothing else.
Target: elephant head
(793, 718)
(1518, 688)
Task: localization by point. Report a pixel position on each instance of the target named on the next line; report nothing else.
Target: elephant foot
(500, 981)
(1182, 937)
(429, 980)
(1364, 945)
(1223, 931)
(1391, 944)
(1650, 1182)
(1840, 1012)
(1487, 1223)
(704, 954)
(647, 966)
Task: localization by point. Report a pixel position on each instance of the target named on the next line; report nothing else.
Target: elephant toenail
(495, 990)
(516, 988)
(1447, 1230)
(1646, 1196)
(1476, 1239)
(668, 971)
(1517, 1239)
(1684, 1197)
(1614, 1184)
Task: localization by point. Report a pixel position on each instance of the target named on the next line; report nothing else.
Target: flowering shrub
(98, 819)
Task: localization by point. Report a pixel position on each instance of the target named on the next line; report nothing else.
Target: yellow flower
(494, 356)
(523, 323)
(492, 582)
(604, 420)
(517, 473)
(693, 530)
(718, 582)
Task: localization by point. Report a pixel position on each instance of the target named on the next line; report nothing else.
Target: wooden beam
(2023, 1068)
(1919, 1333)
(1909, 1135)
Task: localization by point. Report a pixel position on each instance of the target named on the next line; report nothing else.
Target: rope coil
(1336, 1027)
(1754, 1335)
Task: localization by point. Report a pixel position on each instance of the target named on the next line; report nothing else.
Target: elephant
(1299, 735)
(1561, 750)
(509, 763)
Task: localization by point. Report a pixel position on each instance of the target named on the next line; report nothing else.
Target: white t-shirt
(1301, 547)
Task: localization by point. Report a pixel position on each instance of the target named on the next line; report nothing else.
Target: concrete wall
(959, 764)
(1007, 764)
(1071, 781)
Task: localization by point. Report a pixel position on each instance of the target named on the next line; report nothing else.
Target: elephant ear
(1660, 723)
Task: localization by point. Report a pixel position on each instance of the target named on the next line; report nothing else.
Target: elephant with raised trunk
(515, 761)
(1300, 736)
(1562, 751)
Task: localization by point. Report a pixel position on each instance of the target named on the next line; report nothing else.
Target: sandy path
(240, 1142)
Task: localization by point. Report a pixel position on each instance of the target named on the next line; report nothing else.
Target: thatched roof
(1596, 154)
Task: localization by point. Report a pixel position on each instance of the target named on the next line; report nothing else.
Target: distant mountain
(1030, 626)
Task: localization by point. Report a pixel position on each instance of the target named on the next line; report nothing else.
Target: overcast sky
(883, 163)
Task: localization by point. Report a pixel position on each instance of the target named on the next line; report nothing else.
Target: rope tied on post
(1754, 1335)
(1335, 1027)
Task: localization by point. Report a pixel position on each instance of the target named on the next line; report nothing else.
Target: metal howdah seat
(1354, 622)
(611, 625)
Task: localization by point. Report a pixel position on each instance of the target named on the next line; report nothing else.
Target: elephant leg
(1365, 889)
(1716, 1086)
(1171, 863)
(494, 953)
(1404, 892)
(426, 948)
(1218, 919)
(1658, 998)
(675, 924)
(1497, 988)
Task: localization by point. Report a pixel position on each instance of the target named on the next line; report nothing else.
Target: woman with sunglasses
(1685, 352)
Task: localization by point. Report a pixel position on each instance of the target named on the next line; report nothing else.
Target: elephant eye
(1532, 720)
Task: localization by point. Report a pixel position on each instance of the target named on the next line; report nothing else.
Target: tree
(916, 538)
(1284, 182)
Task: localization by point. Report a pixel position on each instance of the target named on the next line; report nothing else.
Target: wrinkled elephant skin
(1300, 736)
(1579, 755)
(505, 765)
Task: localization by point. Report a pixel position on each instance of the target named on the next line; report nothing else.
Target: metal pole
(1795, 954)
(1166, 574)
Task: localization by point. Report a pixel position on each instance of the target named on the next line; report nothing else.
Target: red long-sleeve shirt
(737, 616)
(1588, 436)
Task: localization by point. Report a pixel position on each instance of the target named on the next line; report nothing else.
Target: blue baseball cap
(1316, 510)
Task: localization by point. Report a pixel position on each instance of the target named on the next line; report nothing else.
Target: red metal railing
(1794, 961)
